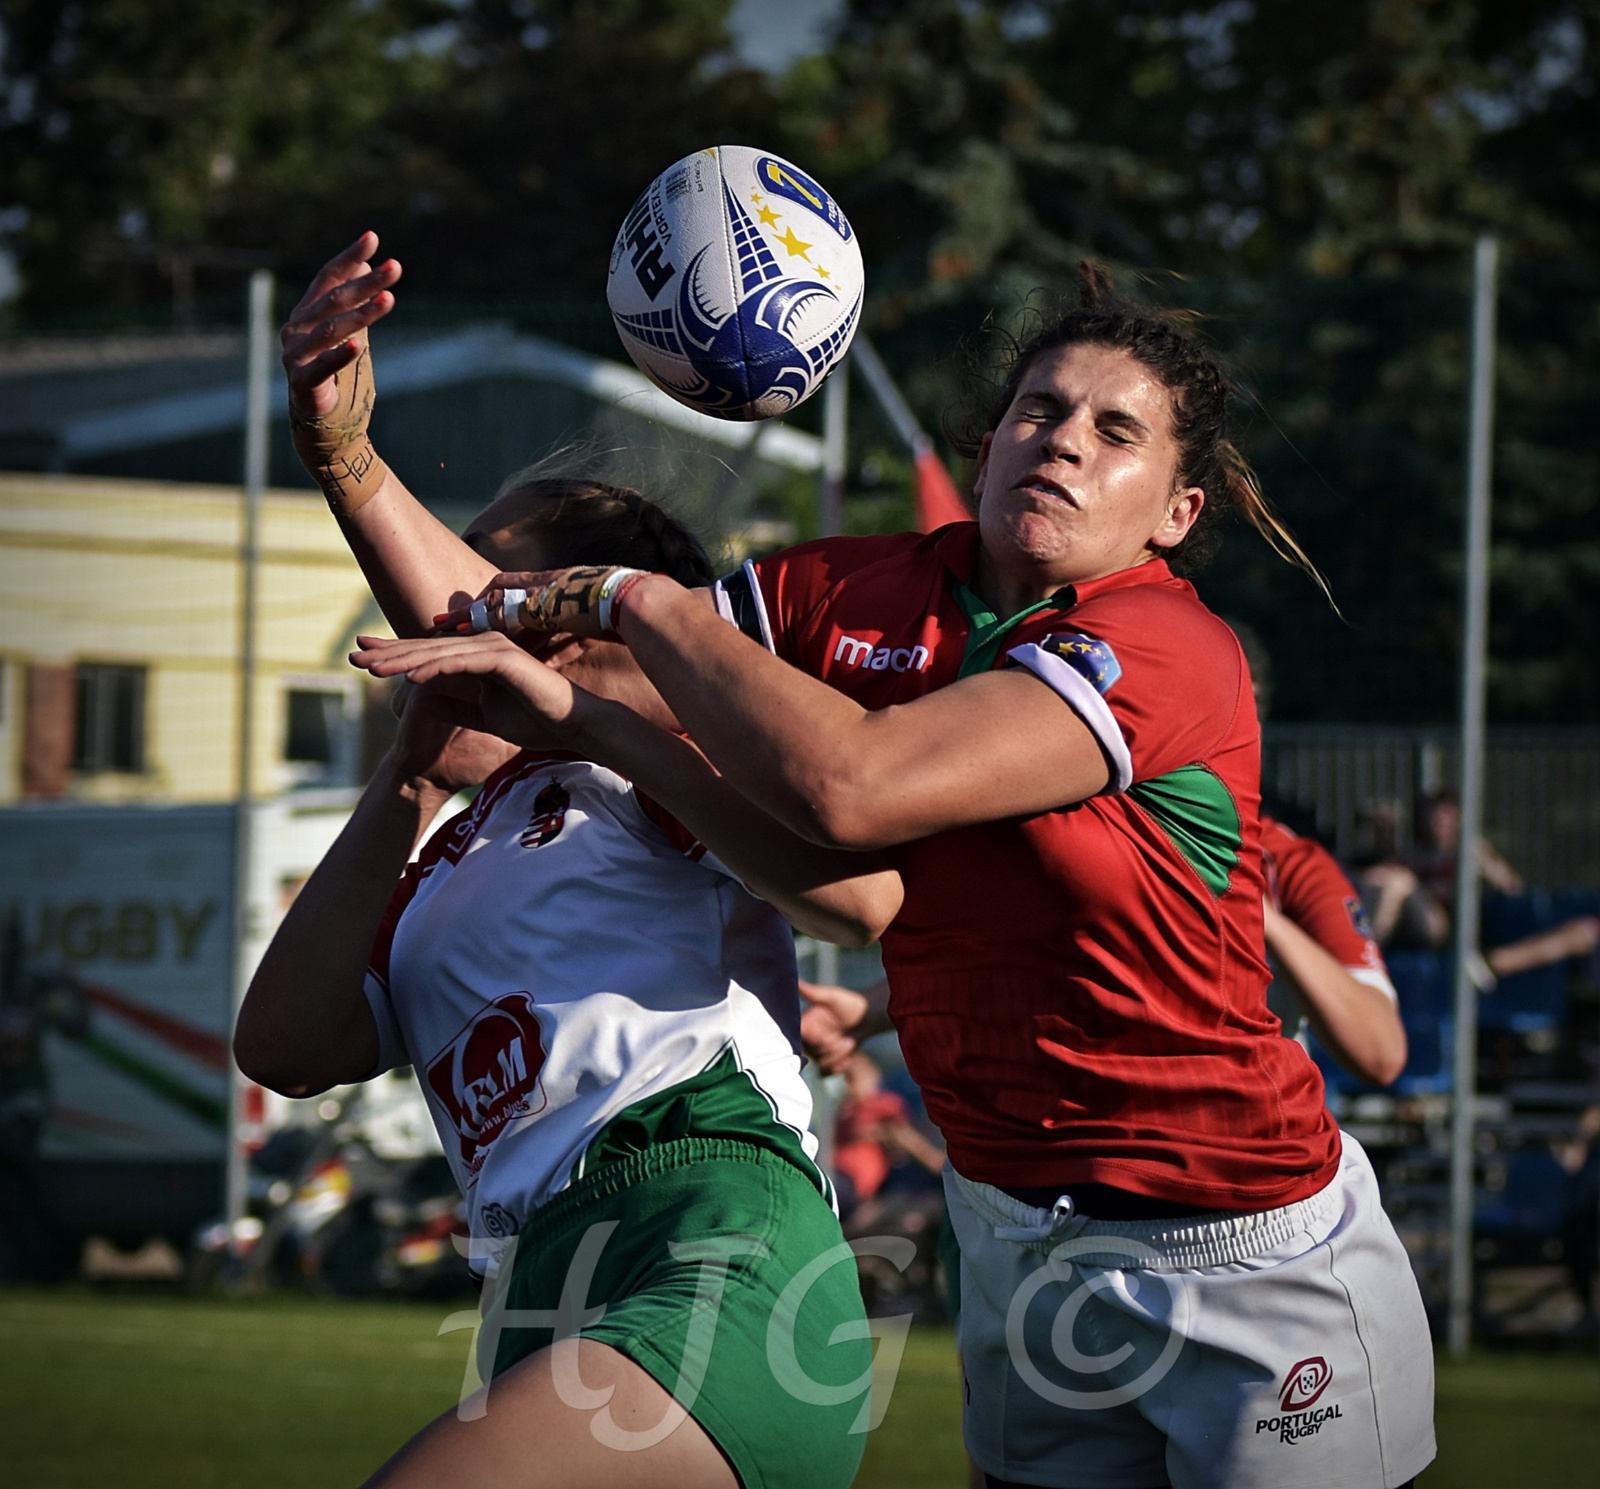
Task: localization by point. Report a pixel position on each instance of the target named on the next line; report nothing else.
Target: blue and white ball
(736, 283)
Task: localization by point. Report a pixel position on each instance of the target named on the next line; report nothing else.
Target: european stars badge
(1092, 658)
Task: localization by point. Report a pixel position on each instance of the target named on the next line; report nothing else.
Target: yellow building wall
(100, 570)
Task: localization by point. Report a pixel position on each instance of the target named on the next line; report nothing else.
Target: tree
(194, 135)
(1311, 178)
(554, 116)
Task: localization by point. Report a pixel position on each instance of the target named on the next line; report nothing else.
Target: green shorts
(722, 1272)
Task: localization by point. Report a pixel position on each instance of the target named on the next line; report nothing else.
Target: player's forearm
(824, 892)
(416, 567)
(876, 1019)
(996, 746)
(902, 1135)
(305, 1024)
(1359, 1025)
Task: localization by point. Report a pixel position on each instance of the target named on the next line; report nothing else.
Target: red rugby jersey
(1305, 881)
(1081, 994)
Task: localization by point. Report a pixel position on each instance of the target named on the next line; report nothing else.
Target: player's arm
(901, 1134)
(836, 1019)
(1571, 938)
(1000, 744)
(487, 682)
(1358, 1024)
(997, 745)
(414, 564)
(305, 1023)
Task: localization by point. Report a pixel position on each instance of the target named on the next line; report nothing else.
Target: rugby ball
(736, 283)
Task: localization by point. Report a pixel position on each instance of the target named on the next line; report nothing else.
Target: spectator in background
(872, 1132)
(1402, 913)
(1328, 970)
(1439, 842)
(1411, 903)
(1581, 1229)
(1439, 824)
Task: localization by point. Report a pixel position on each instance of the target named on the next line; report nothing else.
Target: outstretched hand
(831, 1023)
(327, 330)
(484, 682)
(329, 366)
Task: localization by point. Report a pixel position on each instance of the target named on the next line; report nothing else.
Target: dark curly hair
(589, 522)
(1201, 392)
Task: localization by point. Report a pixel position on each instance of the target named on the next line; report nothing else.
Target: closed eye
(1123, 428)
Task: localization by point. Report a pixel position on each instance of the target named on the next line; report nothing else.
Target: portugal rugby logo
(1297, 1401)
(1306, 1383)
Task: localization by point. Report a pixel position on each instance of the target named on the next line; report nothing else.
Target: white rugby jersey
(560, 950)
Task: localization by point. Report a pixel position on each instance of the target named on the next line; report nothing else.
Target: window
(108, 722)
(314, 721)
(321, 726)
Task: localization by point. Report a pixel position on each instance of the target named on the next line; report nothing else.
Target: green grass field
(127, 1390)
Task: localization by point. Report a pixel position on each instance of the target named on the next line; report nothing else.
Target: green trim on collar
(1197, 812)
(985, 631)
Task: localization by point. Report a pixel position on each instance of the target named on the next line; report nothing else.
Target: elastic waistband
(1149, 1245)
(610, 1179)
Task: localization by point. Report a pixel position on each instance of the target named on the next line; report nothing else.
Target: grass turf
(128, 1390)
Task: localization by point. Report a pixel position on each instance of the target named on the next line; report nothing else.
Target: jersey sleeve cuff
(1374, 978)
(391, 1046)
(1079, 694)
(740, 602)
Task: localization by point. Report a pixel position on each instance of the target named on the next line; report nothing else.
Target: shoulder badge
(1092, 658)
(1358, 917)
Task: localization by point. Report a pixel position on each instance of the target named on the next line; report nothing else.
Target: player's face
(1078, 480)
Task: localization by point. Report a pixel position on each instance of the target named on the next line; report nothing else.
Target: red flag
(938, 501)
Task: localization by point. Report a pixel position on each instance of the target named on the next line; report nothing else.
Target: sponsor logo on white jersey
(549, 816)
(854, 652)
(488, 1075)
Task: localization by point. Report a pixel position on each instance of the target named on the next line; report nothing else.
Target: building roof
(67, 402)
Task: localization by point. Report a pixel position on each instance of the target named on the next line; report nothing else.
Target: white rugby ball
(736, 283)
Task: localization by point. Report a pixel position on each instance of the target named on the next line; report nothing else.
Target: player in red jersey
(1316, 930)
(1330, 970)
(1173, 1270)
(1319, 938)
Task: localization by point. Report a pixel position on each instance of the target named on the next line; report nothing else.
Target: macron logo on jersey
(854, 652)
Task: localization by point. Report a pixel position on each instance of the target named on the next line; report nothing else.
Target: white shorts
(1281, 1350)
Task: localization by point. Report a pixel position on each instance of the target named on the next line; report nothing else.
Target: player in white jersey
(604, 1019)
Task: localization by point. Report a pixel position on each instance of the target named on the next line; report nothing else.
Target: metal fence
(1541, 790)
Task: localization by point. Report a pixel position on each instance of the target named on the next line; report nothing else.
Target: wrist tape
(335, 448)
(580, 601)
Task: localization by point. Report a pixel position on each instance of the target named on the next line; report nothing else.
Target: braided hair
(590, 522)
(1201, 393)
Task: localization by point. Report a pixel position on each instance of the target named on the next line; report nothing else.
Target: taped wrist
(580, 601)
(335, 447)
